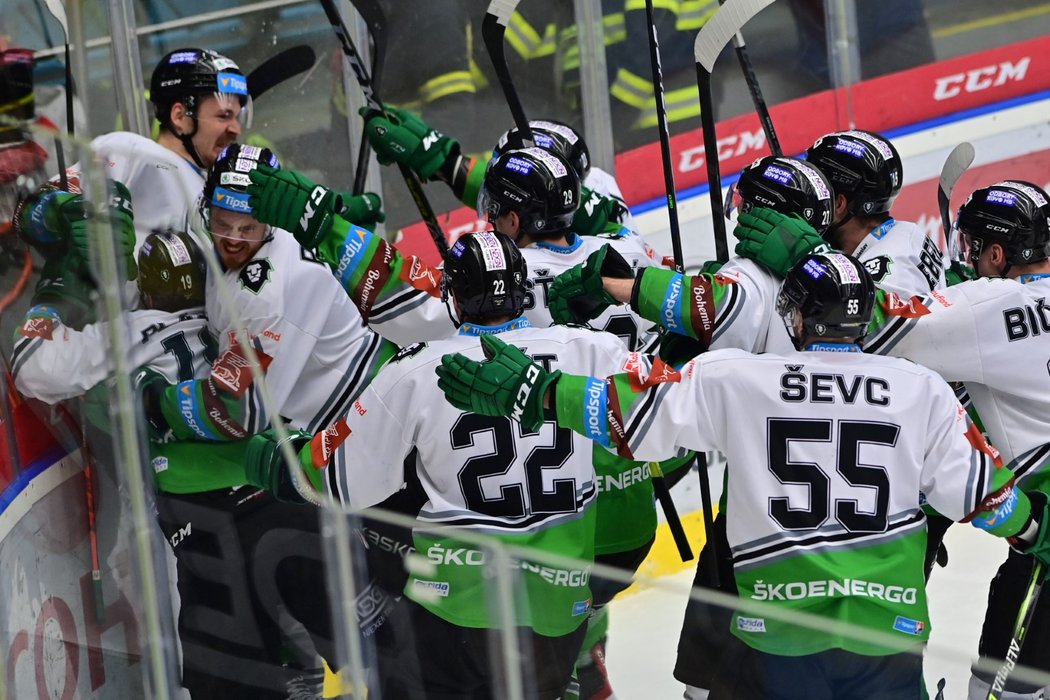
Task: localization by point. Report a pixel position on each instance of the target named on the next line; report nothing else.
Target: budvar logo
(983, 78)
(732, 146)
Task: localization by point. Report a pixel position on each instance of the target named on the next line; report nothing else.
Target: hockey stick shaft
(415, 188)
(663, 494)
(375, 20)
(755, 90)
(493, 27)
(279, 68)
(1024, 620)
(89, 498)
(714, 176)
(59, 13)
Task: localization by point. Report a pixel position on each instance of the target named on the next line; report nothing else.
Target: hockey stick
(374, 18)
(89, 497)
(59, 13)
(756, 92)
(1024, 619)
(493, 27)
(659, 484)
(958, 161)
(710, 40)
(415, 188)
(280, 67)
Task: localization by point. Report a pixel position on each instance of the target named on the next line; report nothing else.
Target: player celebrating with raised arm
(541, 496)
(830, 418)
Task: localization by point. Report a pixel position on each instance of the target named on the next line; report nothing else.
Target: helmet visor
(734, 202)
(964, 248)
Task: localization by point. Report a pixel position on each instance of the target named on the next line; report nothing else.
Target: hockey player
(866, 175)
(224, 536)
(199, 97)
(991, 335)
(527, 488)
(802, 424)
(399, 136)
(316, 352)
(531, 195)
(734, 309)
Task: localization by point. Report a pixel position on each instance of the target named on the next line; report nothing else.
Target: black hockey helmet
(1013, 213)
(485, 273)
(184, 75)
(832, 293)
(554, 136)
(862, 166)
(786, 185)
(16, 94)
(227, 183)
(171, 271)
(540, 186)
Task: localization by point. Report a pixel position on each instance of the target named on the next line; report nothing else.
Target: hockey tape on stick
(958, 161)
(279, 68)
(502, 10)
(723, 26)
(493, 28)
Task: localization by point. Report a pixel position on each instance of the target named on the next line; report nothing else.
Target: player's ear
(840, 206)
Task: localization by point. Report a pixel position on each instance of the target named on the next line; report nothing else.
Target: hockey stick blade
(493, 27)
(722, 27)
(755, 90)
(280, 67)
(958, 161)
(57, 10)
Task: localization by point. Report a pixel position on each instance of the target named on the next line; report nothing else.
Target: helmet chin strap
(832, 233)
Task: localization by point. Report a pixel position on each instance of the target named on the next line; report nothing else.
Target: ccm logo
(978, 79)
(731, 146)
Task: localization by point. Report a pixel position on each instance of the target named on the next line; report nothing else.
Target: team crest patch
(255, 275)
(878, 268)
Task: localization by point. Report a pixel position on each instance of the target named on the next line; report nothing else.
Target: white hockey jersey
(482, 474)
(52, 362)
(827, 452)
(296, 313)
(898, 254)
(994, 336)
(164, 186)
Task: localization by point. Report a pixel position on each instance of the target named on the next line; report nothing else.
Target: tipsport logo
(233, 83)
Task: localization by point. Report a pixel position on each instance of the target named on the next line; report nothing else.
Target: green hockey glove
(365, 210)
(959, 272)
(49, 223)
(507, 384)
(65, 284)
(776, 241)
(1034, 540)
(578, 294)
(711, 267)
(264, 465)
(597, 212)
(289, 200)
(399, 136)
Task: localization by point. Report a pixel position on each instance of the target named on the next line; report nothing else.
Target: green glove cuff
(534, 414)
(264, 465)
